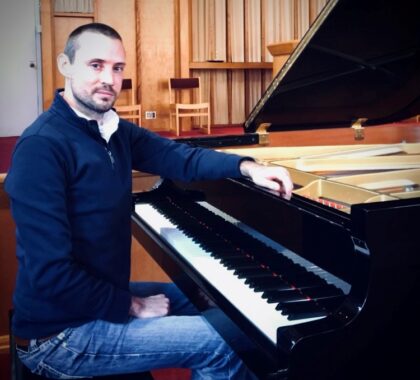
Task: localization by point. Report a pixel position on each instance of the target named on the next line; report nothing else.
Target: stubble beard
(89, 105)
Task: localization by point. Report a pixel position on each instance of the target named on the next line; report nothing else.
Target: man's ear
(64, 65)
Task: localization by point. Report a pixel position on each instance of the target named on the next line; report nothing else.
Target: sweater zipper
(111, 157)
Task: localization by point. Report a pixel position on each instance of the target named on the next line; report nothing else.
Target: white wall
(19, 98)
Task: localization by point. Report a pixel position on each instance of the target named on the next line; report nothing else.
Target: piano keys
(268, 284)
(324, 286)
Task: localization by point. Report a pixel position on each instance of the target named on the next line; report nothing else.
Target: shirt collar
(108, 124)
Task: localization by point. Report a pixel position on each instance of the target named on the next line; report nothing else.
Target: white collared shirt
(107, 126)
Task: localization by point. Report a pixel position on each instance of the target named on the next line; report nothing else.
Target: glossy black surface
(359, 59)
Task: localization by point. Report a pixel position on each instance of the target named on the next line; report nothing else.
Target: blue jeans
(181, 340)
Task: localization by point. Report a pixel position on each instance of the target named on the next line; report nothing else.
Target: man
(75, 313)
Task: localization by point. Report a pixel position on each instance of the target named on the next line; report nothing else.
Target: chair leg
(208, 123)
(177, 124)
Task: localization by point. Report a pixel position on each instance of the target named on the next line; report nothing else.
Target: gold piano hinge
(263, 134)
(359, 130)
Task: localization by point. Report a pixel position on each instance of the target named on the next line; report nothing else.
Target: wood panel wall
(156, 60)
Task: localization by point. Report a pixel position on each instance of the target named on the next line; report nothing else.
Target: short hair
(95, 27)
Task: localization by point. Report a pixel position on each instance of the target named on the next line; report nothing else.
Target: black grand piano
(326, 285)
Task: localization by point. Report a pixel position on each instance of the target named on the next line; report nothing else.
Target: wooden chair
(131, 111)
(179, 109)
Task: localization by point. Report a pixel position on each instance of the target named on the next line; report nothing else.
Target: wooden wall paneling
(238, 99)
(177, 49)
(287, 20)
(138, 52)
(55, 29)
(216, 32)
(123, 19)
(236, 54)
(229, 96)
(315, 6)
(313, 11)
(157, 58)
(263, 42)
(295, 19)
(185, 43)
(303, 16)
(47, 48)
(228, 42)
(220, 96)
(218, 20)
(220, 30)
(210, 30)
(63, 25)
(246, 54)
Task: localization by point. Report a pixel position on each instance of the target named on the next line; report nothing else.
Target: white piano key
(250, 303)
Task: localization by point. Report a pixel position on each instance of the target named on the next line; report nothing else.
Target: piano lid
(359, 59)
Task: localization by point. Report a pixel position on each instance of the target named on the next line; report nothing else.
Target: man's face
(97, 72)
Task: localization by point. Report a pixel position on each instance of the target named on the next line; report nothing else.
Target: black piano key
(239, 263)
(276, 296)
(294, 294)
(301, 310)
(304, 279)
(309, 308)
(298, 306)
(252, 273)
(262, 284)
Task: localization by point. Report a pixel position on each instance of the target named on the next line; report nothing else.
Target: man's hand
(274, 178)
(149, 307)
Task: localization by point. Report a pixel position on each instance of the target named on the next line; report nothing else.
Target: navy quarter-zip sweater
(70, 195)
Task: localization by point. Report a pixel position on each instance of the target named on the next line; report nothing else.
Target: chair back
(184, 84)
(185, 102)
(127, 85)
(129, 109)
